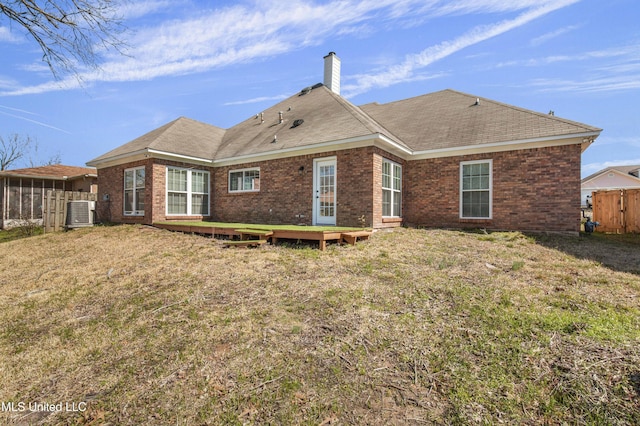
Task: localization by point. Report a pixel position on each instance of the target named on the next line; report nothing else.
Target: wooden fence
(54, 207)
(617, 211)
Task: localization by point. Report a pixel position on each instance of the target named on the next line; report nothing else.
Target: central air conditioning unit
(80, 213)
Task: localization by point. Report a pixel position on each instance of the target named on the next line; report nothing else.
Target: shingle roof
(54, 171)
(440, 120)
(182, 136)
(449, 119)
(327, 117)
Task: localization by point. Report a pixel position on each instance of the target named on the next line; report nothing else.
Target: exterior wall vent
(80, 213)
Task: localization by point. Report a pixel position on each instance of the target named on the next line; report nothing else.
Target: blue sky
(222, 62)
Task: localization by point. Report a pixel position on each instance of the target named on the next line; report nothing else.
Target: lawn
(136, 325)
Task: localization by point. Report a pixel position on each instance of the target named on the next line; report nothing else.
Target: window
(245, 180)
(187, 192)
(134, 192)
(475, 189)
(391, 189)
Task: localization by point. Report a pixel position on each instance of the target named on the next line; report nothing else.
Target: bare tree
(13, 149)
(70, 33)
(35, 160)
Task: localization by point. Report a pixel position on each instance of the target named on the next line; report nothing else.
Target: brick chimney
(332, 72)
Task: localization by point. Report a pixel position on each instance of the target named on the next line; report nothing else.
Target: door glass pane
(326, 192)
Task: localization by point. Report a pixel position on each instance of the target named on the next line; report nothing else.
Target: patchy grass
(19, 232)
(411, 327)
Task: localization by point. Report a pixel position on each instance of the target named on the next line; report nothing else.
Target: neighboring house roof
(451, 119)
(54, 171)
(439, 122)
(183, 137)
(613, 178)
(632, 171)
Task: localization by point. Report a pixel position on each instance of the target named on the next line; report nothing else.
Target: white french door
(324, 191)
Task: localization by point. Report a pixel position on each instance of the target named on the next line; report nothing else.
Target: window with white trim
(476, 189)
(391, 189)
(245, 180)
(134, 191)
(187, 192)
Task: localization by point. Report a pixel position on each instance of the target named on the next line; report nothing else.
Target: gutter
(146, 153)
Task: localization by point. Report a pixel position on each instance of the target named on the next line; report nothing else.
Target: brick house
(22, 190)
(445, 159)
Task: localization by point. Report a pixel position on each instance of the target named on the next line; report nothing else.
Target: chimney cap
(330, 54)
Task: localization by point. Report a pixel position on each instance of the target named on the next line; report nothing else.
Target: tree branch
(70, 33)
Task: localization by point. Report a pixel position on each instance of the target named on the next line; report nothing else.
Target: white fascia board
(146, 153)
(36, 177)
(375, 139)
(179, 157)
(576, 138)
(118, 159)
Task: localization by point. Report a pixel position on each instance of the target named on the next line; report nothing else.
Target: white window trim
(189, 192)
(249, 169)
(124, 189)
(464, 163)
(393, 191)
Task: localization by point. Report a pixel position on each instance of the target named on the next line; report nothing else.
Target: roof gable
(627, 173)
(183, 136)
(450, 119)
(313, 116)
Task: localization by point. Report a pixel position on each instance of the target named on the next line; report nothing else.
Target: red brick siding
(111, 182)
(286, 195)
(378, 221)
(159, 170)
(533, 190)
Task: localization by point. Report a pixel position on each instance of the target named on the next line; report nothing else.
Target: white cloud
(553, 34)
(244, 33)
(7, 36)
(405, 71)
(489, 6)
(259, 99)
(590, 168)
(136, 9)
(30, 120)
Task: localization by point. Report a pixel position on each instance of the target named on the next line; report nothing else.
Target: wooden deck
(256, 235)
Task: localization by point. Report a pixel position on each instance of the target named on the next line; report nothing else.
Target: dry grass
(412, 327)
